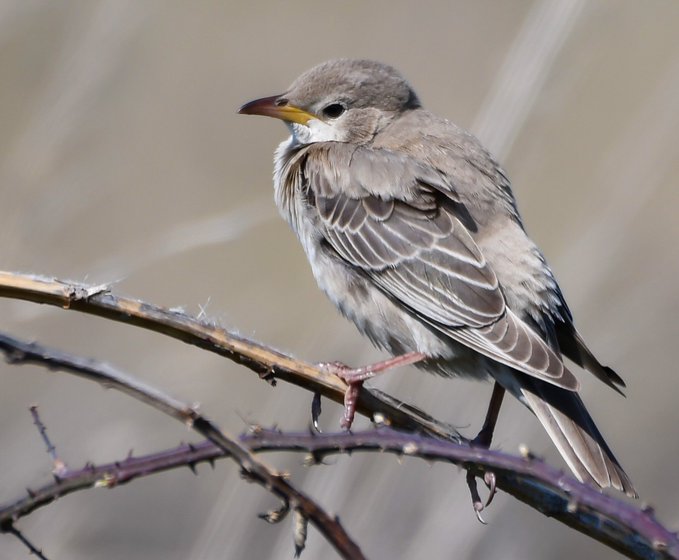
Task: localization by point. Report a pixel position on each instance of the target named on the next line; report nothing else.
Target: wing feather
(402, 234)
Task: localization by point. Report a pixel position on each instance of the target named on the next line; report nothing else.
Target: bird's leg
(354, 377)
(350, 403)
(485, 435)
(483, 439)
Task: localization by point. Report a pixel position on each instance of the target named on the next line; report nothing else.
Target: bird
(412, 230)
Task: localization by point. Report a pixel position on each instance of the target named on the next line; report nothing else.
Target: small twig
(28, 544)
(109, 475)
(58, 466)
(31, 353)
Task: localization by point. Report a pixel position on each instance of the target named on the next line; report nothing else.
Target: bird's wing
(395, 219)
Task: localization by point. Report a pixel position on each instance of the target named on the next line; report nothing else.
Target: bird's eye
(333, 110)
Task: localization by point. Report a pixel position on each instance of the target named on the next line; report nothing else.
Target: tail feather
(571, 428)
(572, 346)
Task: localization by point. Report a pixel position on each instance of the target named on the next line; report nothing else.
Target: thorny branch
(18, 352)
(624, 527)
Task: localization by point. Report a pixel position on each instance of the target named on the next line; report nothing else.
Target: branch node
(268, 374)
(380, 419)
(660, 546)
(300, 532)
(107, 480)
(572, 506)
(276, 515)
(410, 448)
(527, 454)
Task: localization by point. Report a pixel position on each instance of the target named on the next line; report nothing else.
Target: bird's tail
(571, 428)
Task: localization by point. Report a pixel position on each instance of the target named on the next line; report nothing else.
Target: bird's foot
(482, 439)
(354, 378)
(347, 373)
(351, 375)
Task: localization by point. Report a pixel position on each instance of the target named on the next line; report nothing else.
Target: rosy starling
(412, 230)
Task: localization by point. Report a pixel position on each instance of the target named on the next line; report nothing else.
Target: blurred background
(122, 160)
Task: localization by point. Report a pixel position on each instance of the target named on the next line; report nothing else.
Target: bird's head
(341, 100)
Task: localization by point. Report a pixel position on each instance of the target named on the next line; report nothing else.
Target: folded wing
(402, 231)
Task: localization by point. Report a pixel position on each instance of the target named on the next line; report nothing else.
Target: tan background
(122, 160)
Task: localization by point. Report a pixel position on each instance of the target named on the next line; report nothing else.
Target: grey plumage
(412, 230)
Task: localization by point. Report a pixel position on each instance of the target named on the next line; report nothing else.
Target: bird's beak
(276, 106)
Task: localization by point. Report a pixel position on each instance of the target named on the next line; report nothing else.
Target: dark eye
(333, 110)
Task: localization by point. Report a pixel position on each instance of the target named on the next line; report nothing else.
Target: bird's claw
(354, 378)
(477, 503)
(489, 479)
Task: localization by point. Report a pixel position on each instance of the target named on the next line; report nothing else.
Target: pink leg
(355, 377)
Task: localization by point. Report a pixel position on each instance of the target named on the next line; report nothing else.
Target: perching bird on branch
(412, 230)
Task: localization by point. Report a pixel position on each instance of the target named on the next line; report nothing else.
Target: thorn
(192, 466)
(130, 453)
(31, 493)
(316, 411)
